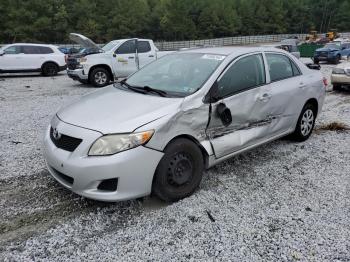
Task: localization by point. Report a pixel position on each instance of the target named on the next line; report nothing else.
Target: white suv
(18, 58)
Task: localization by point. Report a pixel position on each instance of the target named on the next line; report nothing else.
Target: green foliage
(104, 20)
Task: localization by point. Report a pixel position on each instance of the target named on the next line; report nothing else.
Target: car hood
(83, 41)
(344, 65)
(112, 110)
(326, 49)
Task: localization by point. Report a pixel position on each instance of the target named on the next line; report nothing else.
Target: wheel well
(102, 66)
(48, 62)
(194, 140)
(313, 102)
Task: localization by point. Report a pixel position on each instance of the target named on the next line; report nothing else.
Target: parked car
(21, 58)
(332, 52)
(117, 59)
(340, 76)
(160, 128)
(289, 45)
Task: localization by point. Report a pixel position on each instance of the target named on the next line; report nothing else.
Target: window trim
(149, 45)
(231, 63)
(290, 61)
(116, 50)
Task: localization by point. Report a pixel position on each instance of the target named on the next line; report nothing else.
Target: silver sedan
(157, 131)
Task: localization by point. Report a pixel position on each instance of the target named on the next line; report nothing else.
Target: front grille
(67, 179)
(72, 63)
(65, 142)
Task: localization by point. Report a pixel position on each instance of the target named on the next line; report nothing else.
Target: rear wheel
(179, 172)
(99, 77)
(49, 69)
(305, 124)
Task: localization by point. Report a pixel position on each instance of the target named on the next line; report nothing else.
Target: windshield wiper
(133, 88)
(159, 92)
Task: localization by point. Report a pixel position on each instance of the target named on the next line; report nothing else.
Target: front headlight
(112, 144)
(338, 71)
(82, 60)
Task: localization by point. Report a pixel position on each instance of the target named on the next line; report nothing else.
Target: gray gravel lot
(283, 201)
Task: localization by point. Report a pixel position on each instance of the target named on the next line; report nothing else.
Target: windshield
(332, 45)
(178, 74)
(109, 46)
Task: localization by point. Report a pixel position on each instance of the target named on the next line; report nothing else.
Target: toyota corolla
(158, 130)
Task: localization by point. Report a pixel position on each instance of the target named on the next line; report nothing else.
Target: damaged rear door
(243, 95)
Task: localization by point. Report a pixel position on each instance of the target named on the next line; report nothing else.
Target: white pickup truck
(117, 59)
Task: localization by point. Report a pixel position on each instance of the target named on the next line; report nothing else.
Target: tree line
(51, 21)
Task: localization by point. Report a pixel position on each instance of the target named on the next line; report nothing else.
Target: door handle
(131, 57)
(265, 97)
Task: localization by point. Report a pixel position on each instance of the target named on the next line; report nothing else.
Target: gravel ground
(280, 202)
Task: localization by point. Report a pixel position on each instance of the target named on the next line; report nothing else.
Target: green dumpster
(308, 50)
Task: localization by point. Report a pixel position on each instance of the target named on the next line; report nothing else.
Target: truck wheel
(99, 77)
(49, 69)
(179, 172)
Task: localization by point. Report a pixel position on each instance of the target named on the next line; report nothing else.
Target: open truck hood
(83, 41)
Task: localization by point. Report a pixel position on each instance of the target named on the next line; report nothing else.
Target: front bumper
(340, 79)
(78, 74)
(133, 168)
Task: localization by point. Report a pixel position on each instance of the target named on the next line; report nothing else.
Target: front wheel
(337, 60)
(305, 124)
(99, 77)
(179, 172)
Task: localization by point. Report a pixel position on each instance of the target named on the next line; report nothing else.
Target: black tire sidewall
(297, 135)
(161, 186)
(45, 69)
(94, 72)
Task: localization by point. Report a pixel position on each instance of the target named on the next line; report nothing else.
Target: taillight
(325, 82)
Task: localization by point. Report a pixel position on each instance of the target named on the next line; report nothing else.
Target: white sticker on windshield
(213, 57)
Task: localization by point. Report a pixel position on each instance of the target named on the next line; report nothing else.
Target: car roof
(29, 44)
(231, 50)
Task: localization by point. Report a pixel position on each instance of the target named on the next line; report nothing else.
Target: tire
(99, 77)
(336, 87)
(49, 69)
(179, 172)
(316, 61)
(336, 60)
(305, 124)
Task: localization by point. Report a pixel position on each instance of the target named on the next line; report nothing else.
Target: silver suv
(159, 129)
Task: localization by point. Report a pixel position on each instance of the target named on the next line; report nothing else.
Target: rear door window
(280, 67)
(143, 47)
(30, 50)
(248, 72)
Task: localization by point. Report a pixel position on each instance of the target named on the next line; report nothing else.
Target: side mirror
(2, 52)
(213, 94)
(224, 113)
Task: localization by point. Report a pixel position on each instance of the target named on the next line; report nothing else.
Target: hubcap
(180, 170)
(100, 78)
(307, 122)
